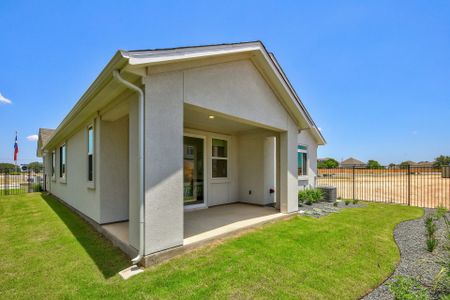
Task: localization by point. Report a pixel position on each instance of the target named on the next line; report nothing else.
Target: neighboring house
(43, 137)
(427, 164)
(352, 162)
(163, 131)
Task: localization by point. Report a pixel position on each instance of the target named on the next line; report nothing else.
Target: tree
(36, 166)
(7, 167)
(329, 163)
(441, 161)
(391, 165)
(373, 164)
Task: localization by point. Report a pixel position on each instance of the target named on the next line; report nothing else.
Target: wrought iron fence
(410, 185)
(13, 183)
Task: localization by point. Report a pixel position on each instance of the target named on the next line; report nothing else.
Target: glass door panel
(193, 162)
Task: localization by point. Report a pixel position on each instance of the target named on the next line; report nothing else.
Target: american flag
(16, 149)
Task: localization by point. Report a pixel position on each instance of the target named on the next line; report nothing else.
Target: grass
(49, 252)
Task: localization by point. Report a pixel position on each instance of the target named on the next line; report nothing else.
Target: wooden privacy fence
(417, 186)
(13, 183)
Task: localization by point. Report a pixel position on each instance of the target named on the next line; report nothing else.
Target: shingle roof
(352, 161)
(44, 136)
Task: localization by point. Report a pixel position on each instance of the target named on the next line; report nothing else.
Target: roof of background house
(44, 136)
(424, 164)
(352, 161)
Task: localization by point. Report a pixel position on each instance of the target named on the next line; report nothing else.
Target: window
(219, 155)
(90, 153)
(302, 160)
(53, 164)
(62, 161)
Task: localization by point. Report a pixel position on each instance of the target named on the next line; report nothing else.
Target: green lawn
(46, 251)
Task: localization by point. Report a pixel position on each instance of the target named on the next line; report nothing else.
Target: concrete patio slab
(216, 221)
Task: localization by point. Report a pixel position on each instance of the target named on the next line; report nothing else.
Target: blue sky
(375, 75)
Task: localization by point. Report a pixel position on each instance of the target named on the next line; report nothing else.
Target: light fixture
(211, 117)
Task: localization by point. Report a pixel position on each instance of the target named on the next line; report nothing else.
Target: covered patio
(202, 226)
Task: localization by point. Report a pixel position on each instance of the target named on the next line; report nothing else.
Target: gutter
(116, 75)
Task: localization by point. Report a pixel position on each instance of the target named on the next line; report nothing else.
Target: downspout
(116, 75)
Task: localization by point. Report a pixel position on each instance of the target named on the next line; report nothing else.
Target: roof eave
(102, 79)
(147, 58)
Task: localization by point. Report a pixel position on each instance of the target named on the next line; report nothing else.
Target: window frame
(227, 158)
(90, 183)
(205, 171)
(305, 162)
(62, 175)
(53, 165)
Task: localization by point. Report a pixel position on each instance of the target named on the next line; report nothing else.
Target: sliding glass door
(194, 159)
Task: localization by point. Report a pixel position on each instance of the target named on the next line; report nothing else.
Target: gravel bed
(415, 260)
(321, 209)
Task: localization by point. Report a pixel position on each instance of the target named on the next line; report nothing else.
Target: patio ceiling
(200, 119)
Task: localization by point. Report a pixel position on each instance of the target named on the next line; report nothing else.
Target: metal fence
(416, 186)
(14, 183)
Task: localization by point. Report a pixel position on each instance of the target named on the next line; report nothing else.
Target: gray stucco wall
(256, 167)
(133, 171)
(75, 189)
(114, 171)
(163, 161)
(236, 89)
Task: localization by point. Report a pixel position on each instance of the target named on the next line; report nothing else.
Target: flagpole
(15, 161)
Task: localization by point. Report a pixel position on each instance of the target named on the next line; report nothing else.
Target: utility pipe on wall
(116, 75)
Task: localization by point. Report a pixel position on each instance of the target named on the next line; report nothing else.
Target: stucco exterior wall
(256, 167)
(163, 161)
(46, 160)
(287, 159)
(114, 169)
(305, 138)
(236, 89)
(133, 172)
(75, 189)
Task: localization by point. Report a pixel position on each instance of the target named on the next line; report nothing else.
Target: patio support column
(288, 186)
(163, 161)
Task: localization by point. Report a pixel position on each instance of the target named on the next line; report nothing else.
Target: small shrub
(440, 212)
(406, 288)
(310, 196)
(431, 229)
(432, 243)
(347, 202)
(441, 283)
(335, 204)
(430, 226)
(428, 220)
(355, 201)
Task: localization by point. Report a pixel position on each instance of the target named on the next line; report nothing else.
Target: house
(163, 139)
(424, 164)
(352, 162)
